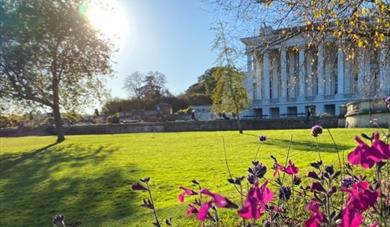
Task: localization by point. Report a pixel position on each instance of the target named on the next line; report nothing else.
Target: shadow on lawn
(77, 181)
(308, 146)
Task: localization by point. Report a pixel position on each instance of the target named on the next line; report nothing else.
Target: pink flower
(217, 199)
(191, 210)
(316, 216)
(186, 191)
(361, 198)
(351, 218)
(256, 201)
(381, 146)
(204, 210)
(375, 224)
(367, 156)
(291, 169)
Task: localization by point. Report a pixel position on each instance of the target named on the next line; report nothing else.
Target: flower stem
(216, 217)
(227, 165)
(258, 150)
(242, 203)
(287, 156)
(338, 153)
(154, 209)
(318, 150)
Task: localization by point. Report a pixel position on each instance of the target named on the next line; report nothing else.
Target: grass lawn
(87, 178)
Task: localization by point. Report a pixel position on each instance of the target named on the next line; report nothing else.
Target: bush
(113, 119)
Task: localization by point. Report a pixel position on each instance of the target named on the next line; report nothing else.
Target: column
(309, 71)
(340, 73)
(347, 76)
(361, 91)
(302, 73)
(275, 76)
(292, 80)
(283, 111)
(320, 72)
(301, 109)
(283, 75)
(257, 75)
(249, 61)
(320, 108)
(266, 75)
(384, 73)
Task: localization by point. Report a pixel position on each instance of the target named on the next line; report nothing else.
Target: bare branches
(365, 23)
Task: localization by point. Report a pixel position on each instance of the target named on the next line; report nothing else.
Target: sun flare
(108, 17)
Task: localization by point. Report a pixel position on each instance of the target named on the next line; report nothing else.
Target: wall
(364, 113)
(217, 125)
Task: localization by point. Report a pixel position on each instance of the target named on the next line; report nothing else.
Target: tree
(230, 94)
(154, 87)
(133, 84)
(147, 88)
(51, 56)
(200, 92)
(361, 23)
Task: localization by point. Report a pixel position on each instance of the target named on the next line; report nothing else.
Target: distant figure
(224, 116)
(158, 110)
(193, 115)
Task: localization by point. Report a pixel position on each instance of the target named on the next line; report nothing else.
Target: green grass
(87, 178)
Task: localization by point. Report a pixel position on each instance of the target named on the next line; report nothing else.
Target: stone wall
(217, 125)
(365, 112)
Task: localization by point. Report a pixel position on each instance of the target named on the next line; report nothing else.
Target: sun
(109, 18)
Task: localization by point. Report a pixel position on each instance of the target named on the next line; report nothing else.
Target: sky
(169, 36)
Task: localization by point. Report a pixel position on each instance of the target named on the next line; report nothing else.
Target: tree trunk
(58, 123)
(239, 122)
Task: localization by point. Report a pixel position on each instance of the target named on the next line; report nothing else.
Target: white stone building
(292, 79)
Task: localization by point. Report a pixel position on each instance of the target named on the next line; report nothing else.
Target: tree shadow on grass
(77, 181)
(308, 146)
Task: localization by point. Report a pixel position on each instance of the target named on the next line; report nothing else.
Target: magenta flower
(316, 216)
(217, 199)
(367, 156)
(381, 146)
(191, 210)
(256, 201)
(186, 191)
(351, 218)
(204, 211)
(291, 169)
(361, 198)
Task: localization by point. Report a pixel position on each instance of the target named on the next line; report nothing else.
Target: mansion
(292, 79)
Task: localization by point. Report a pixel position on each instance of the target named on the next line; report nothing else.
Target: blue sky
(170, 36)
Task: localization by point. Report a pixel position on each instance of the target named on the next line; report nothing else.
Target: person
(193, 115)
(224, 116)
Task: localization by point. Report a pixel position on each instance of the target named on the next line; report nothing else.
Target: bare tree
(133, 84)
(229, 94)
(365, 23)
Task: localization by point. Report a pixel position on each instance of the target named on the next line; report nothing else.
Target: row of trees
(147, 90)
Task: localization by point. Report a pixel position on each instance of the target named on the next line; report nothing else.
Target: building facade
(291, 78)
